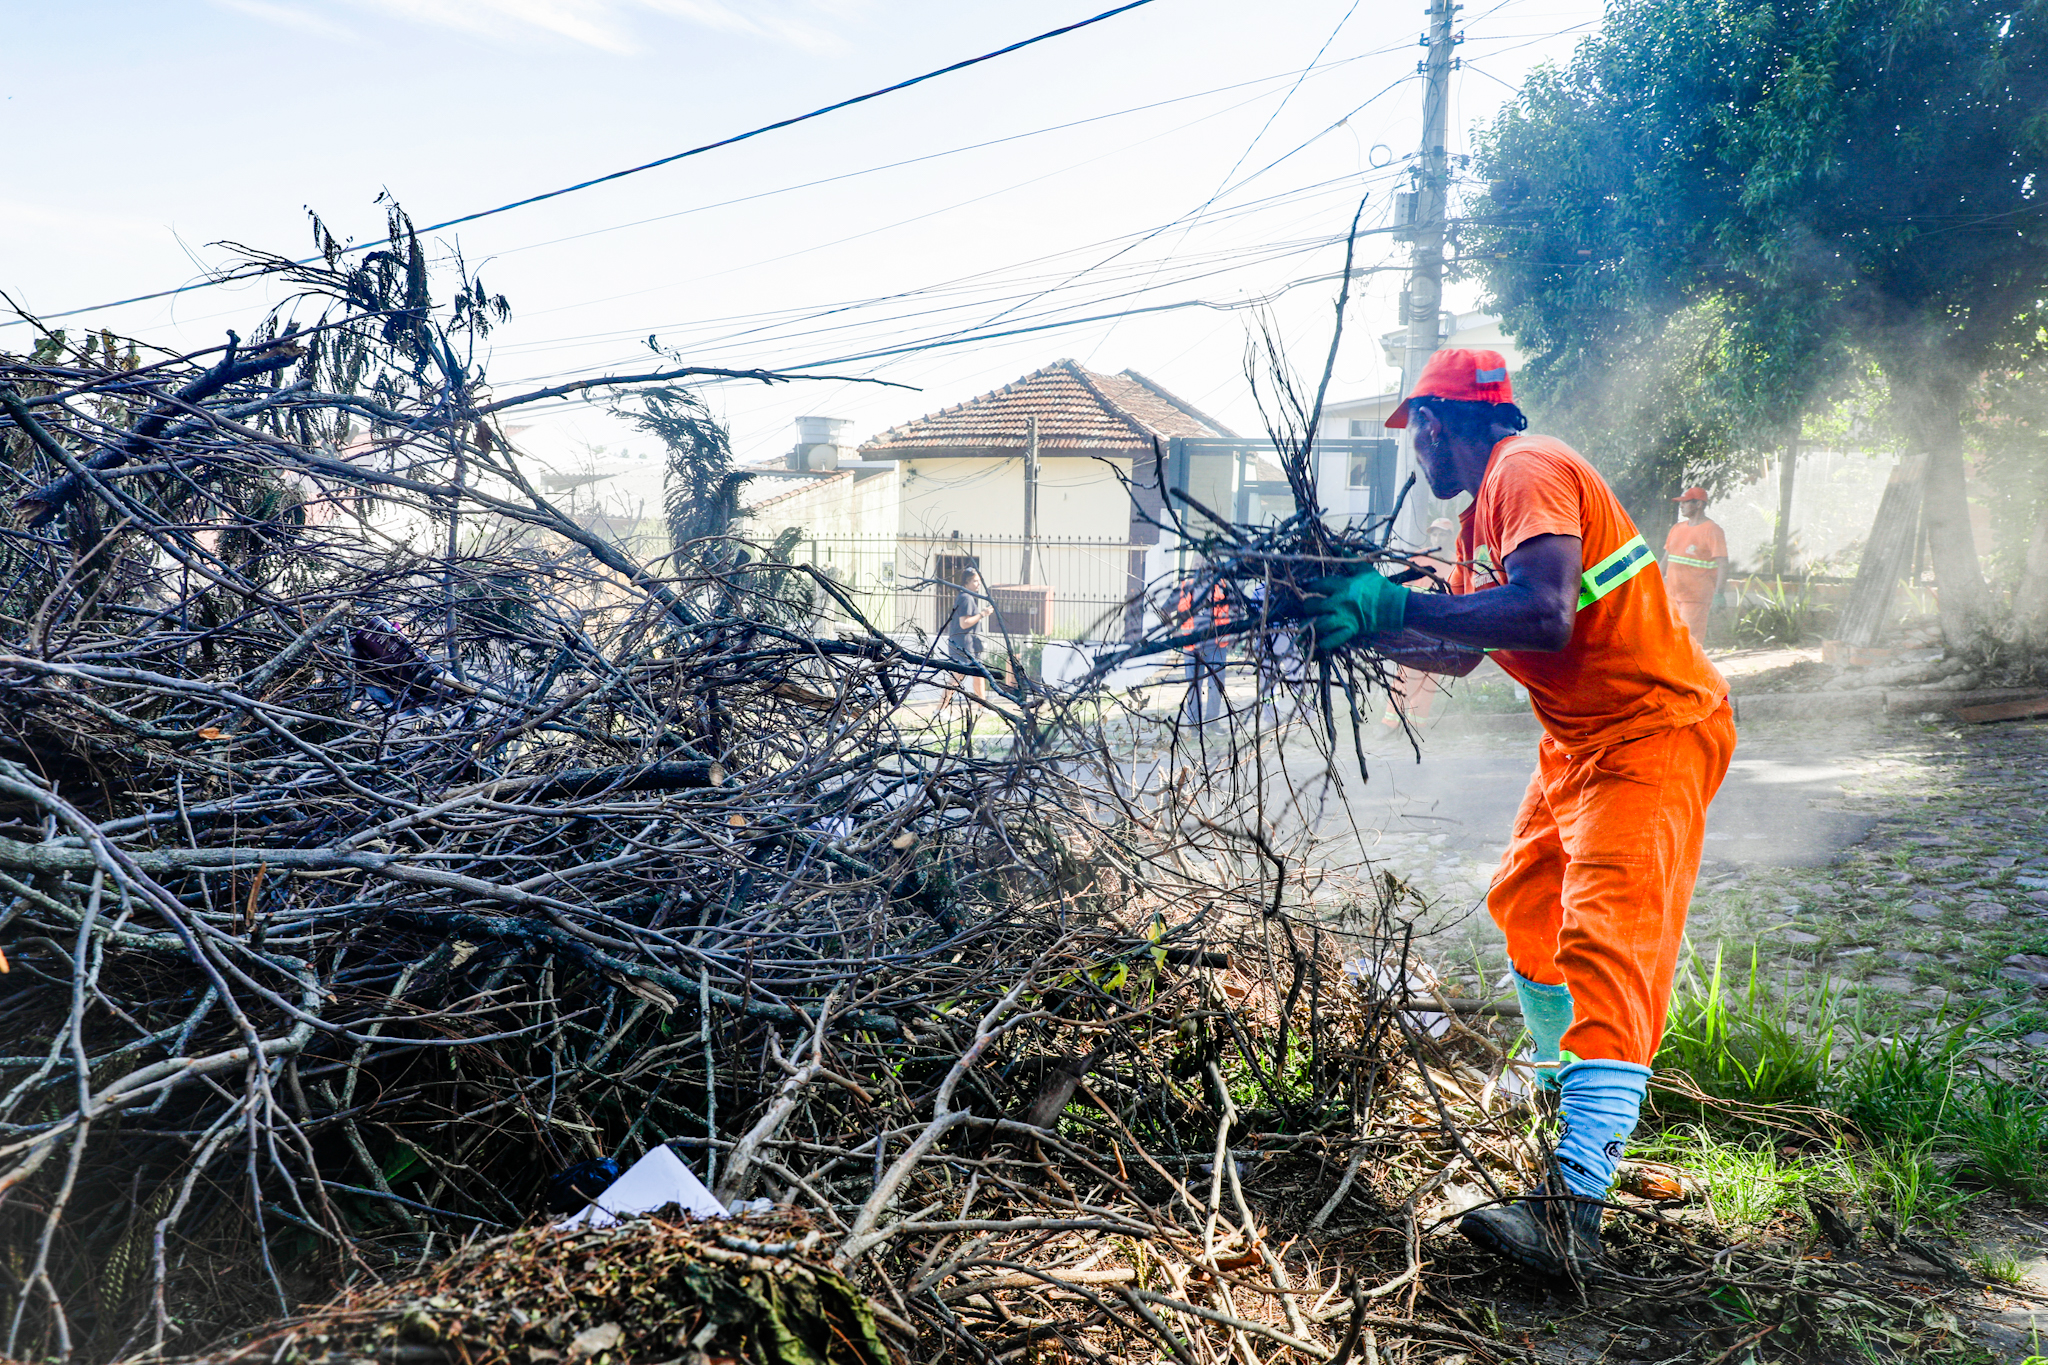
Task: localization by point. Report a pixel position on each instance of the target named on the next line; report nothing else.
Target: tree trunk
(1931, 405)
(2030, 603)
(1781, 540)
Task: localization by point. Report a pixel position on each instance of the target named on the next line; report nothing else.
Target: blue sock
(1546, 1013)
(1601, 1102)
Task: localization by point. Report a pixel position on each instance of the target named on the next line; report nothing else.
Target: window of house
(1364, 429)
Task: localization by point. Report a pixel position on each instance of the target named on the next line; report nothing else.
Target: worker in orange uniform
(1205, 659)
(1592, 893)
(1695, 562)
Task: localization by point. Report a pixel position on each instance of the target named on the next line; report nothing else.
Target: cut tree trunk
(1885, 552)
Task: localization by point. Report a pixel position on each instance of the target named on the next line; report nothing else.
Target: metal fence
(910, 581)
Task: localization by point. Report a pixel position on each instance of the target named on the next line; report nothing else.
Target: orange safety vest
(1219, 608)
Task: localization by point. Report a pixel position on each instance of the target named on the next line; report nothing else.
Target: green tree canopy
(1818, 178)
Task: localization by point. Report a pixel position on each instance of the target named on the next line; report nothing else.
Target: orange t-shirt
(1631, 668)
(1689, 555)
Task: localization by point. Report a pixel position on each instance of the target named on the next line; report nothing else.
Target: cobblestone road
(1904, 864)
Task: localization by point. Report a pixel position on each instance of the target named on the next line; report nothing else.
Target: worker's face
(1692, 509)
(1433, 453)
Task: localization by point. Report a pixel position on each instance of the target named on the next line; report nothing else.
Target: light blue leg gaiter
(1600, 1105)
(1546, 1013)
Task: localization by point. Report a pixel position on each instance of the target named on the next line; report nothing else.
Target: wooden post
(1030, 494)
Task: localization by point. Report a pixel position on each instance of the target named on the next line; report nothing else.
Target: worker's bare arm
(1415, 650)
(1533, 610)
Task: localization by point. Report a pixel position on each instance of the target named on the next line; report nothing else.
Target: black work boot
(1549, 1229)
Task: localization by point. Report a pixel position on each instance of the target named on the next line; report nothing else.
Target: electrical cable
(1264, 128)
(935, 156)
(904, 222)
(946, 342)
(1198, 209)
(1210, 265)
(661, 161)
(736, 326)
(814, 314)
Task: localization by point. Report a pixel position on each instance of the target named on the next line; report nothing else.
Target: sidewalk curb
(1867, 701)
(1766, 707)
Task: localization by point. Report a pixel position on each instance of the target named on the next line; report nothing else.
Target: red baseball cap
(1694, 494)
(1462, 376)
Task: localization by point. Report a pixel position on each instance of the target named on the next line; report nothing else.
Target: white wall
(1078, 498)
(853, 506)
(1834, 497)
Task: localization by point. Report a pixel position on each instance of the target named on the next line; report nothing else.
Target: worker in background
(1204, 660)
(1695, 563)
(1592, 892)
(966, 639)
(1414, 690)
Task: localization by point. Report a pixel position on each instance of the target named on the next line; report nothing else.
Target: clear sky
(1190, 150)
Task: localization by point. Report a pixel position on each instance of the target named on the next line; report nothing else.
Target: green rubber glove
(1352, 605)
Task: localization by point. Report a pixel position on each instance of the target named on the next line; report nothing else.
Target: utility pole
(1030, 492)
(1424, 297)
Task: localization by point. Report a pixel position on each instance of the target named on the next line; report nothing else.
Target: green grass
(1925, 1091)
(1747, 1184)
(1903, 1088)
(2003, 1127)
(1779, 615)
(1998, 1267)
(1911, 1185)
(1747, 1043)
(1937, 1125)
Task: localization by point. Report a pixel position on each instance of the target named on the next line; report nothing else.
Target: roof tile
(1077, 410)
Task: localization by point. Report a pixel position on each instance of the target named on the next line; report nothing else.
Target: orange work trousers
(1595, 884)
(1694, 612)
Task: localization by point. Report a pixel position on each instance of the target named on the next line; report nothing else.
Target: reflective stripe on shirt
(1613, 571)
(1687, 562)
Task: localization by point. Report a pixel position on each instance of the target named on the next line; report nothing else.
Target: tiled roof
(1077, 410)
(758, 495)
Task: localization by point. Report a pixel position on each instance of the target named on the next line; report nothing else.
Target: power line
(935, 156)
(1002, 276)
(948, 340)
(501, 253)
(1271, 118)
(651, 165)
(1197, 211)
(762, 327)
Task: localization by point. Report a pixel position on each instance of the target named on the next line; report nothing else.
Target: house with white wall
(964, 467)
(1050, 485)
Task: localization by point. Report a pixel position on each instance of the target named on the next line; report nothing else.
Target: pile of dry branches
(651, 1289)
(380, 843)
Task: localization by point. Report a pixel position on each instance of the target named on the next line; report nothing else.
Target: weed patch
(1747, 1043)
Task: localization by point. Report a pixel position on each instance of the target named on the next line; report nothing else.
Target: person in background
(1414, 690)
(1205, 660)
(1277, 659)
(1553, 577)
(965, 640)
(1695, 563)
